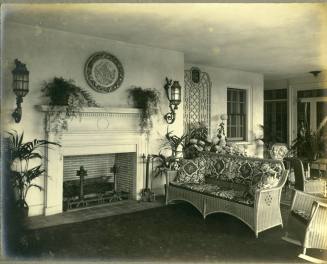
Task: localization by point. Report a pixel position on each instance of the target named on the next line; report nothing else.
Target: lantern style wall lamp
(173, 92)
(20, 87)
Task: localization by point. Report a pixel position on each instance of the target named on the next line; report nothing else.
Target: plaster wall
(224, 78)
(49, 53)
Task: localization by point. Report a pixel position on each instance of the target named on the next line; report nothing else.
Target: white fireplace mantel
(95, 131)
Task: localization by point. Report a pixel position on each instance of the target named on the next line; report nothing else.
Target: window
(311, 108)
(236, 111)
(275, 116)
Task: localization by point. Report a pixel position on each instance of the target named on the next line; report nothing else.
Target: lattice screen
(196, 98)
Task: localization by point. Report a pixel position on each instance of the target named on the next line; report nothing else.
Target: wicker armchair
(307, 223)
(313, 186)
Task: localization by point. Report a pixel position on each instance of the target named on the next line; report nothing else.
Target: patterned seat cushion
(301, 215)
(217, 191)
(250, 172)
(191, 171)
(202, 188)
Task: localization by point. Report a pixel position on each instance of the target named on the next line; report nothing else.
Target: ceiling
(278, 40)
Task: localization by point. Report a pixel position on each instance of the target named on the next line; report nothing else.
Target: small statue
(221, 135)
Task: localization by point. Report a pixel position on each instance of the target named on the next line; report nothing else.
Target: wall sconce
(174, 98)
(20, 87)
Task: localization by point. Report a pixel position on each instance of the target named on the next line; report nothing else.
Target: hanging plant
(71, 98)
(147, 100)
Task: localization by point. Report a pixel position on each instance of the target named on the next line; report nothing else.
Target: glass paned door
(321, 112)
(303, 116)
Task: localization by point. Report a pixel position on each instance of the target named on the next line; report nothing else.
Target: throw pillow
(267, 177)
(191, 171)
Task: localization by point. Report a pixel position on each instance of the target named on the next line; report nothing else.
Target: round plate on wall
(103, 72)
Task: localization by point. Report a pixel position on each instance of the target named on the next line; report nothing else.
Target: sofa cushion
(301, 215)
(228, 168)
(251, 172)
(241, 197)
(201, 188)
(235, 196)
(191, 171)
(226, 184)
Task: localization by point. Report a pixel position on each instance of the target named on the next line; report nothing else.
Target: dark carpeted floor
(172, 233)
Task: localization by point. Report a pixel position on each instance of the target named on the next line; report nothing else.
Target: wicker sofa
(247, 188)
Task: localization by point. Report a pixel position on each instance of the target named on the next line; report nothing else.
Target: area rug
(174, 233)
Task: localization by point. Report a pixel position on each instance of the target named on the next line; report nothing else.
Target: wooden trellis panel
(196, 98)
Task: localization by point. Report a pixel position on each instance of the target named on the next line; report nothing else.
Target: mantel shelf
(115, 110)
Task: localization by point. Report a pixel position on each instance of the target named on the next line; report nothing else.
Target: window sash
(236, 111)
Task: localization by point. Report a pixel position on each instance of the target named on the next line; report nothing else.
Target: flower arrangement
(196, 140)
(230, 148)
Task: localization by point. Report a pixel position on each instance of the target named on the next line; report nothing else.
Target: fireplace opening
(96, 179)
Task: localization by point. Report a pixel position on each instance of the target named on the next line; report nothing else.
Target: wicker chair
(306, 224)
(313, 186)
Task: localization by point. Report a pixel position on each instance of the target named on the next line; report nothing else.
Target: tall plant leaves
(27, 151)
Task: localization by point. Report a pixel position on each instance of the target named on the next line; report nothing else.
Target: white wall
(222, 79)
(49, 53)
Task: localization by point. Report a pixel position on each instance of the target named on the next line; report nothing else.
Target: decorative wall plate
(103, 72)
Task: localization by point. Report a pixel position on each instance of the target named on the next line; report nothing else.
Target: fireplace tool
(116, 195)
(146, 194)
(81, 173)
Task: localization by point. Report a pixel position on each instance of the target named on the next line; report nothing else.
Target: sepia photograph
(163, 132)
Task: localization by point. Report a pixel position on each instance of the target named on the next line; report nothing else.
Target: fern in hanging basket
(70, 97)
(148, 101)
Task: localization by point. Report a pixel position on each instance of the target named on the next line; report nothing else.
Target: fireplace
(96, 179)
(99, 131)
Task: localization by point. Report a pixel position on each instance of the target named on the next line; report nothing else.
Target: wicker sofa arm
(267, 196)
(276, 188)
(170, 176)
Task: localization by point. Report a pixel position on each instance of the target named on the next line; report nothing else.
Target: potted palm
(171, 143)
(311, 145)
(25, 165)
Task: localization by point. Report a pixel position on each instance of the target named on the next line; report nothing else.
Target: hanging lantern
(174, 97)
(20, 87)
